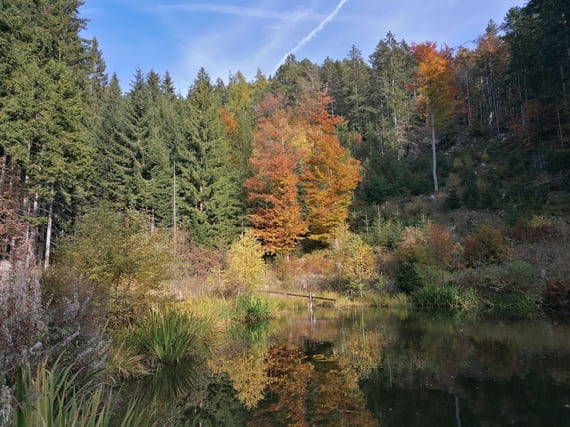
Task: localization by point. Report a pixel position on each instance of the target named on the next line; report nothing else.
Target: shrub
(386, 233)
(452, 201)
(408, 277)
(245, 269)
(486, 245)
(355, 260)
(514, 276)
(516, 305)
(535, 229)
(440, 244)
(118, 255)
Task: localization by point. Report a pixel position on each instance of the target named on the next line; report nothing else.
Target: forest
(420, 175)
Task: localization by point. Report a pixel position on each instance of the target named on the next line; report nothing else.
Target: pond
(370, 367)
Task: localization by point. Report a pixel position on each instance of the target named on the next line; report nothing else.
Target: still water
(372, 367)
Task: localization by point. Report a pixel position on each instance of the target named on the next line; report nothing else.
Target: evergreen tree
(42, 99)
(392, 106)
(111, 165)
(211, 196)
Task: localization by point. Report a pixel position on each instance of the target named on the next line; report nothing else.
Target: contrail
(310, 35)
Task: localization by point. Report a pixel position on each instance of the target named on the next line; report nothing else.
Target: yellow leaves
(248, 376)
(245, 269)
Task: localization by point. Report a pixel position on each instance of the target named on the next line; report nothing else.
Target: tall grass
(54, 397)
(171, 335)
(447, 298)
(253, 309)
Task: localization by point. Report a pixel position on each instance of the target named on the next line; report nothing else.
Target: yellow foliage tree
(245, 268)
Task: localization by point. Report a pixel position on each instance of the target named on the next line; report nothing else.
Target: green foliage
(210, 206)
(517, 305)
(447, 297)
(437, 298)
(386, 233)
(117, 247)
(452, 201)
(252, 309)
(512, 276)
(170, 335)
(121, 258)
(54, 396)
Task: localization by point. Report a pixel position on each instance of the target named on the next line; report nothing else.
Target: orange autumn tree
(273, 189)
(436, 84)
(329, 175)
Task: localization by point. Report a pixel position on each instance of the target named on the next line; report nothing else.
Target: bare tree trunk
(48, 234)
(174, 201)
(434, 157)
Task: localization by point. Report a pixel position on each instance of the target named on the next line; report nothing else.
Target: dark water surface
(371, 367)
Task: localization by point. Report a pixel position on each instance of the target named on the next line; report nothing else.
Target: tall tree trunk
(434, 157)
(47, 251)
(174, 202)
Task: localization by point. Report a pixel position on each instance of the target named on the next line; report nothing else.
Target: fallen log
(297, 295)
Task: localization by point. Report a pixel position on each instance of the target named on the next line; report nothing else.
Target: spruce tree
(211, 195)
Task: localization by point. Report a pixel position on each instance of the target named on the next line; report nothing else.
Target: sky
(226, 36)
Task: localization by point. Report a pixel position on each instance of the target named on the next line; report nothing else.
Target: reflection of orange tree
(288, 388)
(338, 399)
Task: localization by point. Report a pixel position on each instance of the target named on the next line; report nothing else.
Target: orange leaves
(273, 189)
(436, 78)
(293, 149)
(330, 175)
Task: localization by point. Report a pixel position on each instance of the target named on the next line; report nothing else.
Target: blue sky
(225, 36)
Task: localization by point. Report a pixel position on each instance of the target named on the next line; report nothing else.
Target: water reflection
(370, 367)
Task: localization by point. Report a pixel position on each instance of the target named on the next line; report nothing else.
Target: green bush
(386, 233)
(117, 257)
(513, 276)
(452, 201)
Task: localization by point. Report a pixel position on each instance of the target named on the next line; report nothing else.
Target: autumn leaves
(303, 179)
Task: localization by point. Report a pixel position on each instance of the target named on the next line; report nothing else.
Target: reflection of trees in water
(475, 372)
(286, 395)
(220, 406)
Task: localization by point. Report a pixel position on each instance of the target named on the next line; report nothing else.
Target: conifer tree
(211, 195)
